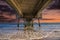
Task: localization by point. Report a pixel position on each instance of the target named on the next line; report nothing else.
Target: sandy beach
(30, 35)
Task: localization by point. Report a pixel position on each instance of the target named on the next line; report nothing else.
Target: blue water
(50, 26)
(44, 26)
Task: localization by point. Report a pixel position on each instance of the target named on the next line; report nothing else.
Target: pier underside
(27, 10)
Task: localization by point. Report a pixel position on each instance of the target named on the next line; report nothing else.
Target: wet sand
(30, 35)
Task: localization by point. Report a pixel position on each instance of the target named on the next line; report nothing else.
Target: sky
(51, 14)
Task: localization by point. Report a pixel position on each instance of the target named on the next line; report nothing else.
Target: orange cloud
(51, 14)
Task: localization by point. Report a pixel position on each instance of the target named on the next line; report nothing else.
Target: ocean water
(43, 26)
(50, 26)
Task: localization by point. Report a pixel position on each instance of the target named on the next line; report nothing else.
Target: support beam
(39, 22)
(16, 4)
(41, 4)
(39, 13)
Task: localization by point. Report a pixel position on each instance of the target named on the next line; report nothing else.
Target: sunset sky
(51, 16)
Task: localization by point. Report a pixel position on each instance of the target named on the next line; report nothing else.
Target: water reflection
(44, 26)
